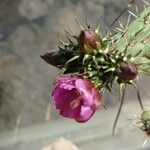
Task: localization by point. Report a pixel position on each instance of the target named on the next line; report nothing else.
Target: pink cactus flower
(76, 98)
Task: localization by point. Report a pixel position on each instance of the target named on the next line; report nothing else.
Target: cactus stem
(125, 9)
(138, 95)
(121, 99)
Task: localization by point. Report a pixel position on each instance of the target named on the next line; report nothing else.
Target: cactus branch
(125, 9)
(138, 95)
(121, 97)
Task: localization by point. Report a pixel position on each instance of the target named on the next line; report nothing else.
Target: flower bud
(55, 58)
(127, 71)
(88, 41)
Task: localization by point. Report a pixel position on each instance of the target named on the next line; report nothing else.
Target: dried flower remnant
(54, 58)
(76, 98)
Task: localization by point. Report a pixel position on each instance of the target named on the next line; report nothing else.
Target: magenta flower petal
(66, 83)
(69, 111)
(85, 114)
(62, 97)
(75, 98)
(97, 98)
(89, 93)
(83, 85)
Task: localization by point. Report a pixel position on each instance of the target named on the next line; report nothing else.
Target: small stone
(61, 144)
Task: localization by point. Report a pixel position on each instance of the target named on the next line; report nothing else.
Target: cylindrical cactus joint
(145, 115)
(145, 119)
(127, 71)
(88, 41)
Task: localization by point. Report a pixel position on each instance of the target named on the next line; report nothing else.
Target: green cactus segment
(145, 68)
(136, 40)
(145, 115)
(103, 66)
(145, 118)
(145, 122)
(100, 68)
(137, 31)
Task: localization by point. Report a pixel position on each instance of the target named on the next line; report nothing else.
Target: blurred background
(28, 28)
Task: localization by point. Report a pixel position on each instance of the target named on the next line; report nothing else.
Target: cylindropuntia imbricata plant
(94, 62)
(145, 122)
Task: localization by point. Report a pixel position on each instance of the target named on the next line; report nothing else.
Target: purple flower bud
(76, 98)
(54, 58)
(127, 71)
(88, 40)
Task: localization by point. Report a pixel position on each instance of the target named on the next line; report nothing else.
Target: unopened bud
(127, 71)
(55, 58)
(88, 41)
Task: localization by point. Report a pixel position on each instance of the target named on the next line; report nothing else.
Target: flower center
(75, 103)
